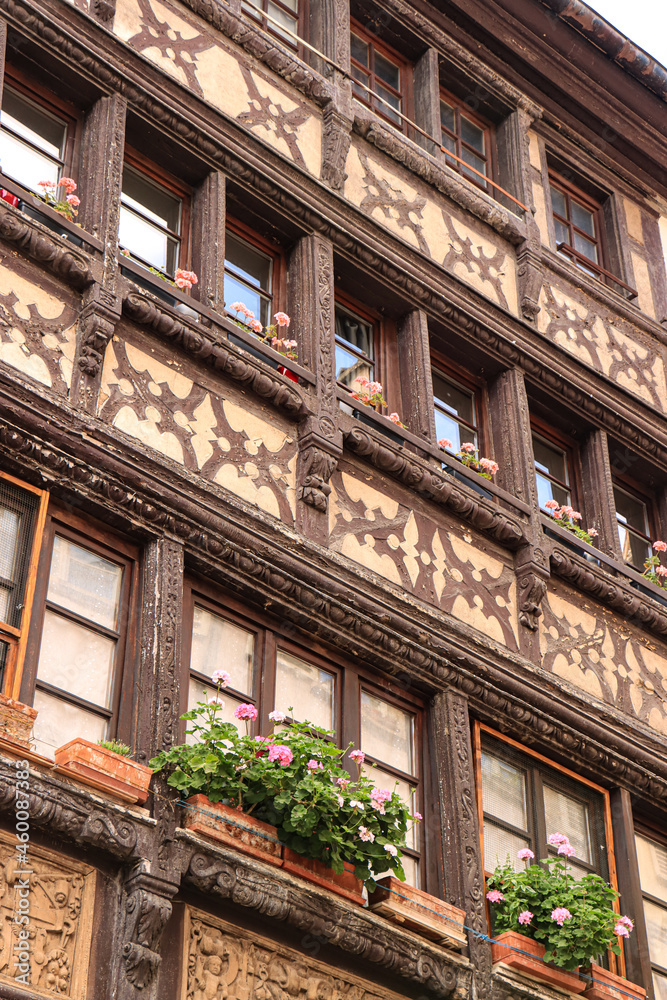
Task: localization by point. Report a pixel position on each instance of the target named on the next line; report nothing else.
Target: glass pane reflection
(387, 732)
(307, 688)
(85, 583)
(76, 659)
(504, 791)
(218, 644)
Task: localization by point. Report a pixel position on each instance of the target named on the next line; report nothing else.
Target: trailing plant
(468, 455)
(567, 518)
(60, 197)
(182, 279)
(272, 334)
(572, 918)
(370, 394)
(653, 568)
(116, 745)
(295, 780)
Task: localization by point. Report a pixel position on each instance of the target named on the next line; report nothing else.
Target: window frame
(462, 379)
(271, 636)
(96, 538)
(278, 294)
(629, 486)
(617, 964)
(649, 831)
(17, 638)
(266, 25)
(156, 175)
(551, 436)
(403, 64)
(460, 107)
(48, 102)
(374, 319)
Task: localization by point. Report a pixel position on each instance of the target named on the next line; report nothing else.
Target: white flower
(340, 800)
(356, 804)
(390, 849)
(277, 716)
(366, 834)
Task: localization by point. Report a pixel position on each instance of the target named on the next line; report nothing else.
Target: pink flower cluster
(366, 834)
(623, 927)
(54, 198)
(248, 712)
(563, 844)
(660, 546)
(221, 677)
(495, 896)
(525, 917)
(282, 754)
(560, 915)
(358, 756)
(277, 343)
(525, 854)
(467, 453)
(315, 765)
(567, 516)
(378, 798)
(185, 279)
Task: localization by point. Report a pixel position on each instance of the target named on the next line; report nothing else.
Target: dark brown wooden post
(463, 865)
(598, 497)
(208, 239)
(3, 56)
(415, 367)
(427, 100)
(637, 959)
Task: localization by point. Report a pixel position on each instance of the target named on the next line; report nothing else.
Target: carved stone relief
(173, 410)
(608, 657)
(61, 897)
(226, 961)
(189, 51)
(37, 326)
(605, 342)
(440, 562)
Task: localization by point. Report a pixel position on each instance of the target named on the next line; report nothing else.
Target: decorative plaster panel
(604, 655)
(174, 410)
(202, 60)
(37, 326)
(439, 562)
(432, 224)
(61, 897)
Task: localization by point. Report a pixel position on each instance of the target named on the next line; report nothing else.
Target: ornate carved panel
(61, 896)
(226, 961)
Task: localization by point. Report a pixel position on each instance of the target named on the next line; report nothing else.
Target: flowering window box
(522, 954)
(418, 911)
(233, 828)
(601, 984)
(16, 721)
(310, 870)
(118, 774)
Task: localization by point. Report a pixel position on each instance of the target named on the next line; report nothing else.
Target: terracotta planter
(313, 871)
(119, 774)
(233, 828)
(16, 721)
(420, 912)
(531, 964)
(607, 985)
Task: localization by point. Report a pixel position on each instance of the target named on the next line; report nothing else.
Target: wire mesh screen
(18, 509)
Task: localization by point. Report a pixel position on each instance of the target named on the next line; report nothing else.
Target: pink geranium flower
(221, 677)
(560, 915)
(525, 917)
(73, 200)
(489, 465)
(245, 712)
(525, 854)
(282, 319)
(282, 754)
(445, 443)
(495, 896)
(394, 417)
(567, 849)
(660, 546)
(365, 834)
(358, 756)
(621, 930)
(68, 183)
(255, 325)
(315, 765)
(555, 839)
(551, 504)
(467, 447)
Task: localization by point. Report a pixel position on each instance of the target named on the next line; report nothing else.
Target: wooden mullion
(78, 619)
(75, 699)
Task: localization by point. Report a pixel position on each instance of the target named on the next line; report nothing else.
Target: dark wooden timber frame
(404, 92)
(162, 178)
(173, 520)
(278, 291)
(461, 108)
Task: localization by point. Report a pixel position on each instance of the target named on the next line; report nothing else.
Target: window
(271, 672)
(466, 136)
(524, 799)
(33, 140)
(552, 472)
(84, 634)
(252, 270)
(22, 512)
(153, 216)
(576, 223)
(381, 75)
(268, 12)
(632, 516)
(354, 347)
(652, 858)
(455, 412)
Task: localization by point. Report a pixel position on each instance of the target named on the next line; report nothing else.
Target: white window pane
(218, 644)
(411, 869)
(500, 844)
(387, 732)
(10, 523)
(76, 660)
(143, 239)
(85, 583)
(284, 19)
(504, 791)
(237, 291)
(652, 860)
(198, 692)
(25, 165)
(571, 817)
(58, 722)
(33, 123)
(546, 490)
(660, 986)
(306, 688)
(656, 931)
(407, 792)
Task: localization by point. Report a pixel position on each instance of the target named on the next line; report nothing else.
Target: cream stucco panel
(633, 220)
(358, 187)
(202, 431)
(643, 284)
(147, 430)
(583, 678)
(17, 354)
(258, 432)
(473, 615)
(578, 619)
(366, 556)
(534, 151)
(242, 484)
(540, 202)
(372, 499)
(479, 560)
(28, 294)
(161, 374)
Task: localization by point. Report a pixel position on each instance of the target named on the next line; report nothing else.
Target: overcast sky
(643, 21)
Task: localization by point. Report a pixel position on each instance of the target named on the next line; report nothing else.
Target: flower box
(345, 884)
(522, 954)
(16, 721)
(118, 774)
(607, 985)
(233, 828)
(288, 374)
(418, 911)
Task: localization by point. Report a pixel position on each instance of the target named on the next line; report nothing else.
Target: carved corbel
(320, 447)
(146, 912)
(104, 10)
(532, 572)
(530, 271)
(337, 137)
(97, 323)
